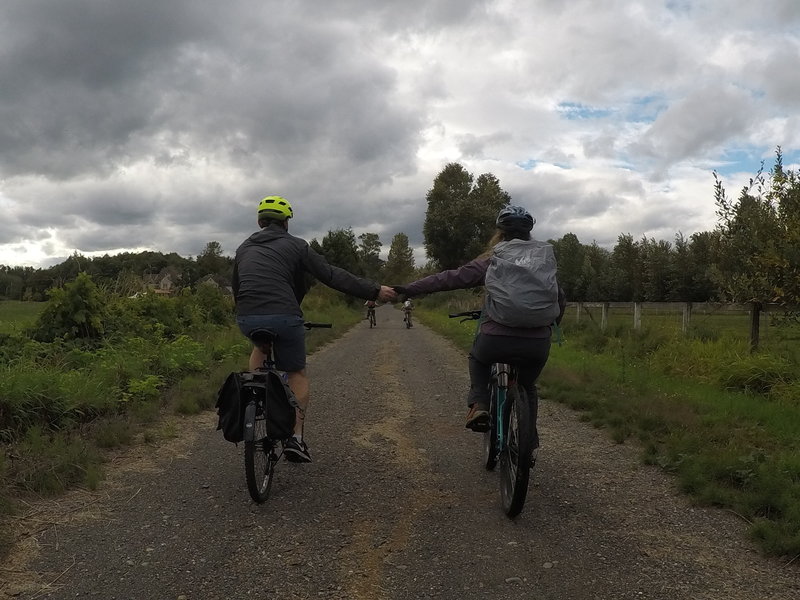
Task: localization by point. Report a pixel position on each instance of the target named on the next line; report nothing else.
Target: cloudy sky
(160, 125)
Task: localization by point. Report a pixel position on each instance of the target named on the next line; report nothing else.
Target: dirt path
(395, 506)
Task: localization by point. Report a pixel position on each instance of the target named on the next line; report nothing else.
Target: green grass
(693, 409)
(707, 324)
(15, 316)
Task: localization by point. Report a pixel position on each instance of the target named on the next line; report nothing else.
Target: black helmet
(515, 218)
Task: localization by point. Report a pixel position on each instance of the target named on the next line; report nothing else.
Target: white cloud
(160, 125)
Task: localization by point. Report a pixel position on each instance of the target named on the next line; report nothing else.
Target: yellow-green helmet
(275, 207)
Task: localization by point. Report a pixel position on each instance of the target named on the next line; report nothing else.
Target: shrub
(217, 308)
(75, 311)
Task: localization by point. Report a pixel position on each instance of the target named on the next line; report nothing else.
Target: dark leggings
(529, 355)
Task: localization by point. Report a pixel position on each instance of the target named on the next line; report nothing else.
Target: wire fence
(757, 323)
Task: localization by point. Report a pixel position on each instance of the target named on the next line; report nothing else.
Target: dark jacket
(473, 274)
(269, 274)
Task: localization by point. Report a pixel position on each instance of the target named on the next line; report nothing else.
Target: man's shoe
(297, 451)
(478, 418)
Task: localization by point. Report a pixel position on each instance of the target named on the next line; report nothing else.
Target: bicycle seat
(262, 336)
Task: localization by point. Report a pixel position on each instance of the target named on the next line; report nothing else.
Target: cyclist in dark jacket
(269, 282)
(527, 348)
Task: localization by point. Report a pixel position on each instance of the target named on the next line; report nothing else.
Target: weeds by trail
(71, 395)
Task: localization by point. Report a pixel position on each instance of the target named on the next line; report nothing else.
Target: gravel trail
(395, 506)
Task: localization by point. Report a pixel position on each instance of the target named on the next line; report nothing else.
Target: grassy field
(15, 316)
(708, 322)
(723, 422)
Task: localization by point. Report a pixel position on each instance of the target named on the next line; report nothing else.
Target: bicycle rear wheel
(490, 437)
(259, 453)
(515, 458)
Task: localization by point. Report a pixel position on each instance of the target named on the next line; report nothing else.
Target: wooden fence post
(604, 317)
(637, 315)
(687, 317)
(755, 322)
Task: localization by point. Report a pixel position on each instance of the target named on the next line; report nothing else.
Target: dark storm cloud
(89, 86)
(78, 79)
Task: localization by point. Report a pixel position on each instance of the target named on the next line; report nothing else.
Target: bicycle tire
(490, 437)
(259, 454)
(515, 458)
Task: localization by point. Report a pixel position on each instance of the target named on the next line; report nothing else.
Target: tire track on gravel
(369, 546)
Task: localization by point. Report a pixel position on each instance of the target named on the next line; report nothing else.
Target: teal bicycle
(509, 439)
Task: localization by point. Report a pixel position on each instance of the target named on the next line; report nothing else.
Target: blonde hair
(503, 236)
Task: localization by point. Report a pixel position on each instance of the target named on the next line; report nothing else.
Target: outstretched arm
(470, 275)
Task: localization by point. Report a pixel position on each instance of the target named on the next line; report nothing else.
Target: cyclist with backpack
(269, 283)
(408, 307)
(523, 301)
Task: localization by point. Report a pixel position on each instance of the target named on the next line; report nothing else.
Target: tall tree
(704, 249)
(369, 250)
(760, 238)
(460, 217)
(656, 259)
(400, 265)
(626, 271)
(570, 256)
(211, 261)
(594, 281)
(339, 248)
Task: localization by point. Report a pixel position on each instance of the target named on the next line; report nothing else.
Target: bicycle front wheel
(259, 453)
(515, 458)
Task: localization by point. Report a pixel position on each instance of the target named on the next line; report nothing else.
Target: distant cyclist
(371, 304)
(269, 283)
(408, 306)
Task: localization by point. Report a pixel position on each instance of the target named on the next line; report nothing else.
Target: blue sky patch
(748, 160)
(575, 111)
(645, 109)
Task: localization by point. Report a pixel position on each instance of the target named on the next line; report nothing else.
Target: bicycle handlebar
(470, 314)
(309, 325)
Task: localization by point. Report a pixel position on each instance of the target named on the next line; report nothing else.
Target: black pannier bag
(239, 389)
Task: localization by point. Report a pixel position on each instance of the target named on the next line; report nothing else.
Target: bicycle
(407, 318)
(371, 317)
(262, 449)
(509, 439)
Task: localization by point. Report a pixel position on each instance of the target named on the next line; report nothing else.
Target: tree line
(752, 255)
(127, 273)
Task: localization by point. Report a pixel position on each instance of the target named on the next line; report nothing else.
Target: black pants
(529, 355)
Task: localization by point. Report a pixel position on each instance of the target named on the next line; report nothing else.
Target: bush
(77, 310)
(216, 306)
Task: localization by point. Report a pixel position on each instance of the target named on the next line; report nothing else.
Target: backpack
(240, 388)
(521, 285)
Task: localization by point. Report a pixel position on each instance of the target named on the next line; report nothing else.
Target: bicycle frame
(503, 376)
